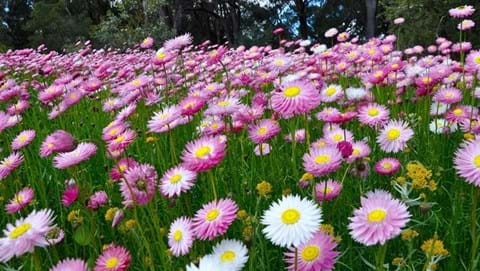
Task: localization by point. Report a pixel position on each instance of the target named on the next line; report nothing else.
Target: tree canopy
(60, 23)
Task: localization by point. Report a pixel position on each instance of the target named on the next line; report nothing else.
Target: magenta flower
(23, 139)
(113, 258)
(67, 159)
(97, 200)
(9, 163)
(121, 167)
(59, 141)
(328, 190)
(70, 194)
(263, 130)
(214, 219)
(20, 200)
(317, 254)
(322, 161)
(295, 97)
(467, 161)
(138, 186)
(387, 166)
(204, 153)
(176, 181)
(379, 218)
(70, 264)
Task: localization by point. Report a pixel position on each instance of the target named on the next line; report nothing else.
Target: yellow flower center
(113, 132)
(119, 139)
(18, 199)
(476, 161)
(457, 112)
(330, 91)
(310, 253)
(278, 62)
(477, 60)
(136, 82)
(122, 168)
(290, 216)
(262, 131)
(50, 145)
(175, 178)
(426, 80)
(327, 190)
(337, 137)
(228, 256)
(224, 103)
(393, 134)
(356, 151)
(7, 162)
(22, 138)
(202, 151)
(378, 74)
(111, 263)
(292, 91)
(387, 165)
(20, 230)
(322, 159)
(214, 125)
(449, 94)
(177, 235)
(377, 215)
(212, 215)
(373, 112)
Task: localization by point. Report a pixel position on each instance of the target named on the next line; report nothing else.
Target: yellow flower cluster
(328, 229)
(247, 231)
(421, 176)
(75, 217)
(264, 188)
(434, 247)
(399, 261)
(409, 234)
(110, 214)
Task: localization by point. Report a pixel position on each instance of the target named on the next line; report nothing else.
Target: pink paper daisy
(328, 190)
(263, 130)
(23, 139)
(322, 161)
(204, 153)
(394, 136)
(387, 166)
(317, 254)
(295, 97)
(138, 186)
(67, 159)
(379, 218)
(214, 219)
(180, 236)
(20, 200)
(467, 161)
(113, 258)
(70, 265)
(59, 141)
(9, 163)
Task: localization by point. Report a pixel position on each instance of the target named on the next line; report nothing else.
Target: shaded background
(123, 23)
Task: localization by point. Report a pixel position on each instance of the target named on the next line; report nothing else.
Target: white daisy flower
(177, 180)
(291, 221)
(232, 255)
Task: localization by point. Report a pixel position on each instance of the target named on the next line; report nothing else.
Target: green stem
(473, 229)
(382, 251)
(212, 183)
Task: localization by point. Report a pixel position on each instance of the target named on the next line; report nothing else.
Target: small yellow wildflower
(434, 247)
(75, 217)
(409, 234)
(151, 139)
(328, 229)
(242, 214)
(286, 191)
(247, 233)
(264, 188)
(468, 136)
(110, 214)
(398, 261)
(130, 224)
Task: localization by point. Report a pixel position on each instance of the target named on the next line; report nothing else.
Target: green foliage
(425, 20)
(123, 30)
(56, 23)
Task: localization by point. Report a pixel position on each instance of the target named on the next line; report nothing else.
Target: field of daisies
(306, 157)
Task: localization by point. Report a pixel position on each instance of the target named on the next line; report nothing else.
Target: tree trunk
(301, 9)
(179, 22)
(371, 9)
